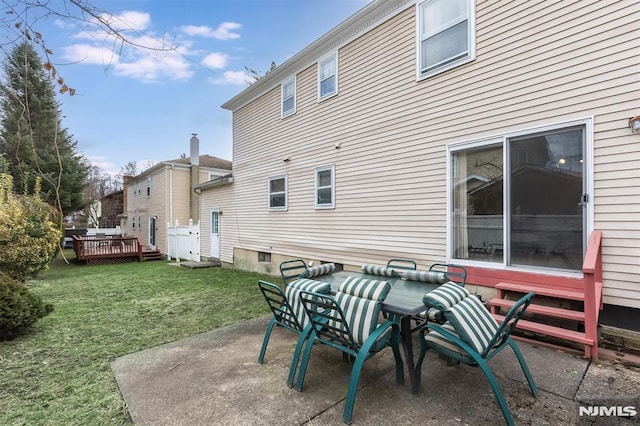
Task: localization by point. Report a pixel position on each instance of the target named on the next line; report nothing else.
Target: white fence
(104, 231)
(183, 242)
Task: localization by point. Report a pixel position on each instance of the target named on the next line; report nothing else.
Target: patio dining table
(403, 302)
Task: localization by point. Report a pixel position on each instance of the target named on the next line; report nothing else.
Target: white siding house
(501, 150)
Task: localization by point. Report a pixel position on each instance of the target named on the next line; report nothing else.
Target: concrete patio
(214, 379)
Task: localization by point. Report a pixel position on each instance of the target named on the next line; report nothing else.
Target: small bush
(19, 308)
(29, 232)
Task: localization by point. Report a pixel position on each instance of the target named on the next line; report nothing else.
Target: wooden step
(558, 293)
(152, 255)
(549, 330)
(542, 310)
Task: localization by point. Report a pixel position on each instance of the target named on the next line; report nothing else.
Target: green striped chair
(291, 269)
(349, 322)
(402, 264)
(382, 271)
(471, 335)
(316, 271)
(286, 307)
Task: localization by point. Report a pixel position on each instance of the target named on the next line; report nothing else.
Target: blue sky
(142, 105)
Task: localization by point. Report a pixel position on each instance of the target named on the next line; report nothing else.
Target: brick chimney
(194, 199)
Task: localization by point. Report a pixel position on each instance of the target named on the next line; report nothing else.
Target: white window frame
(317, 187)
(504, 138)
(286, 190)
(148, 186)
(447, 64)
(291, 111)
(334, 57)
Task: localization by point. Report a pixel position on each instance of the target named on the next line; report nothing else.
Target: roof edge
(361, 22)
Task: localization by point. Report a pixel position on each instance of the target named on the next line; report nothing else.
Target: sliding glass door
(520, 201)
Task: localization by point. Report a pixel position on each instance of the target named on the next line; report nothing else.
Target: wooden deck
(102, 250)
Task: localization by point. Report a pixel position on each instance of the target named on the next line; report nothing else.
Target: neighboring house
(490, 134)
(165, 194)
(111, 209)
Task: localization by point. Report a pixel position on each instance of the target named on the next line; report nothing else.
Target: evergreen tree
(32, 140)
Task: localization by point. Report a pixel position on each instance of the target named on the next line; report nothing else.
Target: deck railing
(592, 272)
(89, 248)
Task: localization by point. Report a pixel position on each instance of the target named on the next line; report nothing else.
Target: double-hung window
(328, 77)
(278, 193)
(325, 187)
(288, 97)
(445, 35)
(149, 186)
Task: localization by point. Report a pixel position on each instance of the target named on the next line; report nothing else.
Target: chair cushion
(435, 315)
(292, 292)
(445, 296)
(365, 288)
(380, 270)
(473, 323)
(315, 271)
(360, 300)
(443, 345)
(431, 277)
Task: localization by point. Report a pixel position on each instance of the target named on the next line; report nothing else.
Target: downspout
(171, 195)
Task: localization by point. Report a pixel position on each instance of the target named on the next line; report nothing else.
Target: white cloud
(89, 54)
(151, 69)
(215, 60)
(233, 77)
(223, 32)
(128, 20)
(104, 165)
(149, 57)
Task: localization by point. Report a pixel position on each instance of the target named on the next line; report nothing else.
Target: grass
(59, 374)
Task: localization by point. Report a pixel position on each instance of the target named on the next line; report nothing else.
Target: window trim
(286, 193)
(332, 205)
(148, 186)
(503, 138)
(292, 111)
(471, 40)
(333, 56)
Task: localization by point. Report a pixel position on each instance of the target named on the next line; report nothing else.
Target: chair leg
(347, 414)
(296, 354)
(305, 362)
(497, 392)
(265, 342)
(525, 368)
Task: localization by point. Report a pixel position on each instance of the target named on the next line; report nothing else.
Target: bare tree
(20, 21)
(257, 74)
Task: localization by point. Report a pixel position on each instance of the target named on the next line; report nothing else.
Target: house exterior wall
(221, 198)
(140, 207)
(169, 200)
(537, 64)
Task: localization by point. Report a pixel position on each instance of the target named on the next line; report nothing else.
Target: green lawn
(59, 374)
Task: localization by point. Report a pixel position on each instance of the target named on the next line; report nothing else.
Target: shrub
(29, 232)
(19, 308)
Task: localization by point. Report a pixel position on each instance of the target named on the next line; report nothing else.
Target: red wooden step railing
(592, 272)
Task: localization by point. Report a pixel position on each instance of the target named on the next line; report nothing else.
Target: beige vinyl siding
(155, 206)
(218, 198)
(181, 194)
(537, 64)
